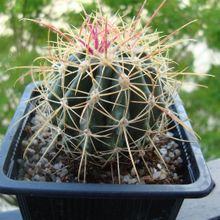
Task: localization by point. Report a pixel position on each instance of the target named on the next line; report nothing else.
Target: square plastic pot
(55, 201)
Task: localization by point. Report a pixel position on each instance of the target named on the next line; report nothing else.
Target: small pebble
(57, 166)
(172, 143)
(42, 178)
(156, 139)
(36, 157)
(52, 154)
(177, 152)
(175, 145)
(156, 175)
(163, 151)
(63, 172)
(30, 152)
(179, 160)
(35, 142)
(30, 171)
(39, 164)
(44, 161)
(47, 171)
(46, 135)
(24, 143)
(167, 159)
(169, 146)
(126, 178)
(133, 173)
(163, 175)
(159, 166)
(43, 149)
(171, 155)
(137, 161)
(46, 129)
(58, 180)
(175, 162)
(175, 176)
(169, 134)
(36, 177)
(53, 177)
(48, 165)
(27, 164)
(132, 181)
(31, 159)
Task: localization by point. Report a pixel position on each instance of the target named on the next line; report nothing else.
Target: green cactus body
(100, 98)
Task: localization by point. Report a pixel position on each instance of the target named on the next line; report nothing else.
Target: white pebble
(126, 178)
(169, 146)
(177, 152)
(57, 166)
(35, 142)
(36, 177)
(163, 175)
(58, 180)
(46, 135)
(63, 172)
(163, 151)
(156, 139)
(159, 166)
(46, 129)
(24, 143)
(171, 155)
(167, 159)
(137, 161)
(132, 181)
(30, 171)
(156, 175)
(169, 134)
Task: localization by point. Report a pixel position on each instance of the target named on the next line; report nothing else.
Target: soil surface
(163, 165)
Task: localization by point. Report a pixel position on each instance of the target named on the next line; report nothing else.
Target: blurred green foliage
(203, 107)
(21, 46)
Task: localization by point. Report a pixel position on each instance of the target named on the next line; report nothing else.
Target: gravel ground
(40, 164)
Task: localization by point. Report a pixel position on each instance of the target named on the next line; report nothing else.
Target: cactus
(106, 92)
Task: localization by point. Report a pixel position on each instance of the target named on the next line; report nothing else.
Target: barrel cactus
(105, 94)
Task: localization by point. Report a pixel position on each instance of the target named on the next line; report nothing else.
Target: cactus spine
(108, 92)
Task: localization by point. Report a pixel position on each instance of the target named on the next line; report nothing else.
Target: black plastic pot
(48, 200)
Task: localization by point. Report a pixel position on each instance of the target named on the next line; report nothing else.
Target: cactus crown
(105, 92)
